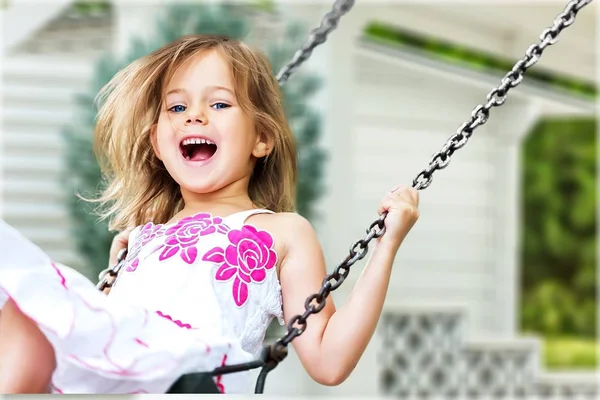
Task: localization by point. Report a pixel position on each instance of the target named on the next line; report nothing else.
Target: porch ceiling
(504, 27)
(526, 18)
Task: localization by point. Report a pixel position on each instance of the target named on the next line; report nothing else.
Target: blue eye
(178, 108)
(220, 104)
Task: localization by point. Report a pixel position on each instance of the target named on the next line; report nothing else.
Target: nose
(196, 118)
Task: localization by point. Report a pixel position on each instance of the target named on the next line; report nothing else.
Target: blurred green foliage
(559, 234)
(559, 227)
(570, 352)
(91, 6)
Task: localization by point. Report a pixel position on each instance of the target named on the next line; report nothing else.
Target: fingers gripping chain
(108, 277)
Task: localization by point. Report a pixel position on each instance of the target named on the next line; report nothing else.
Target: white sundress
(194, 295)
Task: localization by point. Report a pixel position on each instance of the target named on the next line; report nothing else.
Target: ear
(263, 147)
(154, 141)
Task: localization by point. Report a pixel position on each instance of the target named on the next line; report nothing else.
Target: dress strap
(239, 218)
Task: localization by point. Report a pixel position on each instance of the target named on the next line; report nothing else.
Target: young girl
(200, 160)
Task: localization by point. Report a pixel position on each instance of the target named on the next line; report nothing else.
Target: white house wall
(401, 120)
(38, 102)
(42, 74)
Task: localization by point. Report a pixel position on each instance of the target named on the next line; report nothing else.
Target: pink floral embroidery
(175, 321)
(182, 237)
(248, 257)
(141, 342)
(63, 280)
(145, 236)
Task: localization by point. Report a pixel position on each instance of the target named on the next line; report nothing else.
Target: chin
(200, 187)
(197, 180)
(206, 179)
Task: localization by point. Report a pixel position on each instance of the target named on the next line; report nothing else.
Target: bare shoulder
(287, 229)
(284, 225)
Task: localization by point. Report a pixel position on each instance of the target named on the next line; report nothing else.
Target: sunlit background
(494, 291)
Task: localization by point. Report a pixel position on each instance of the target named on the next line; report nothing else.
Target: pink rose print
(248, 257)
(182, 237)
(145, 236)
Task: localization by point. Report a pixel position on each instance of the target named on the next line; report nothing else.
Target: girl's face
(202, 136)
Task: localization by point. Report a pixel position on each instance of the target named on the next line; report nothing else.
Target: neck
(227, 200)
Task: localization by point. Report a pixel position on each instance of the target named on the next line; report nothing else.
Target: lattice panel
(420, 354)
(498, 373)
(423, 356)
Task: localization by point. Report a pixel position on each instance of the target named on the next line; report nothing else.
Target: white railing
(425, 353)
(568, 385)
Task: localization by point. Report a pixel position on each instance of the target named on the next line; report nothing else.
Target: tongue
(201, 153)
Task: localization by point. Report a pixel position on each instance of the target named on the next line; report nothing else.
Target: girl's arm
(334, 340)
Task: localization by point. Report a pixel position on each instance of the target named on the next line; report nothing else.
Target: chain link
(316, 37)
(108, 277)
(440, 160)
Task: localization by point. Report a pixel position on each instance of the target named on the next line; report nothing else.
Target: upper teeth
(196, 141)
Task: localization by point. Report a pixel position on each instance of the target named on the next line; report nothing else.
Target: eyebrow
(208, 89)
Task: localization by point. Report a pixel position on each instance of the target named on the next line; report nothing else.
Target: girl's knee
(27, 359)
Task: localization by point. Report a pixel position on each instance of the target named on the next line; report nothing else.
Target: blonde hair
(139, 189)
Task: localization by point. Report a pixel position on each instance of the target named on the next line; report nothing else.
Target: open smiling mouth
(197, 149)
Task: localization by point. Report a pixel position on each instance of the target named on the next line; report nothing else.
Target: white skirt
(103, 346)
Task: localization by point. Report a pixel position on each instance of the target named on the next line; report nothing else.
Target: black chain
(317, 36)
(440, 160)
(105, 281)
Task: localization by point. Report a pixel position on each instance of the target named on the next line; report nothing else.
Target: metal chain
(440, 160)
(316, 37)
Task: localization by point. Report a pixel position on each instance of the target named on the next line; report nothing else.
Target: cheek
(163, 123)
(163, 140)
(164, 132)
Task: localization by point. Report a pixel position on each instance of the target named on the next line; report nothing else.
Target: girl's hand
(402, 206)
(119, 242)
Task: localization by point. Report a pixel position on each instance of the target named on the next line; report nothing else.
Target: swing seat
(198, 383)
(203, 383)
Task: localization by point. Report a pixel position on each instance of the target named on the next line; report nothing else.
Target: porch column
(511, 128)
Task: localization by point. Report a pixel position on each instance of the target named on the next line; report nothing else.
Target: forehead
(204, 69)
